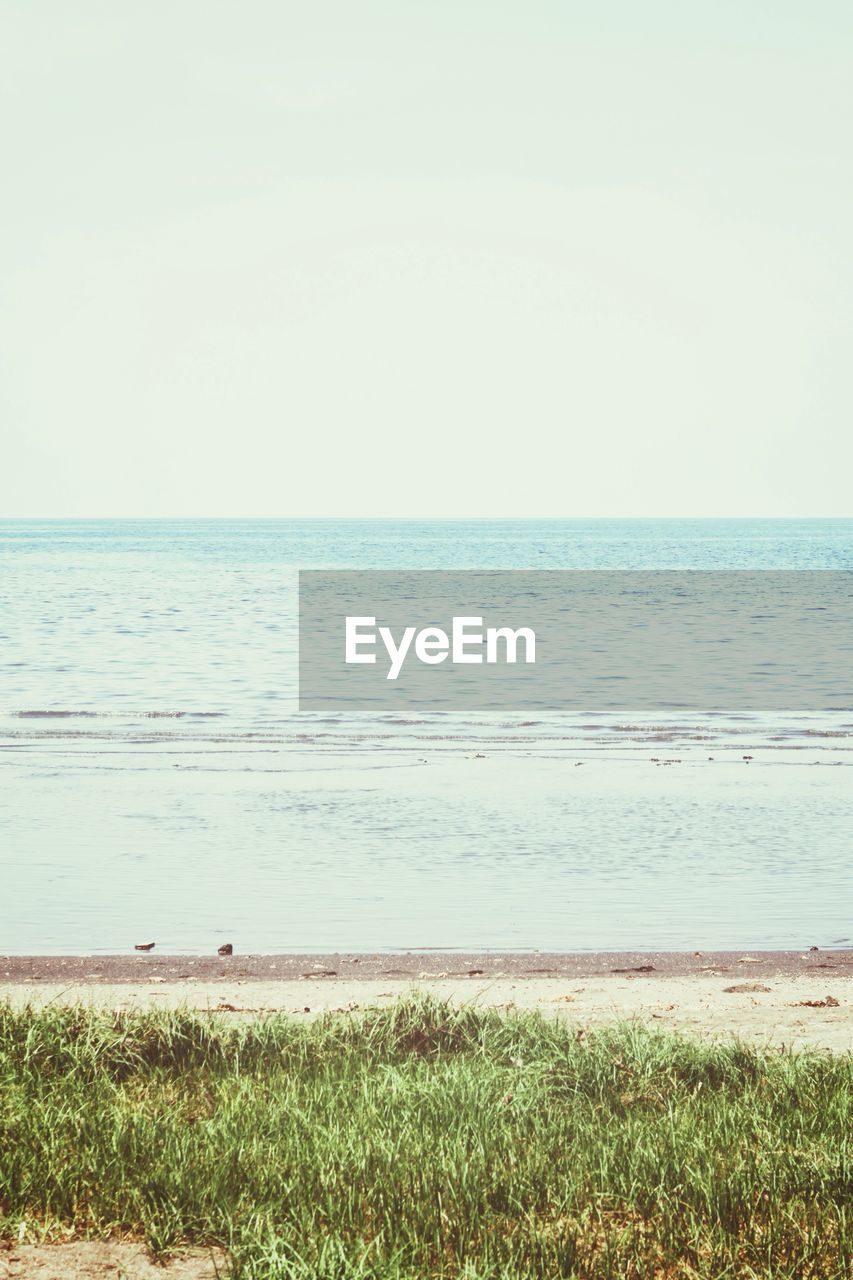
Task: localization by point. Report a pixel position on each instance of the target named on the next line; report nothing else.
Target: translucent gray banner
(581, 640)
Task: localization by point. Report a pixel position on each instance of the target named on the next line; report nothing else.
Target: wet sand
(141, 966)
(792, 999)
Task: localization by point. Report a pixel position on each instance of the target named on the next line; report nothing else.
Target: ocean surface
(157, 781)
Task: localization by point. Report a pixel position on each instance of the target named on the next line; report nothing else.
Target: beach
(557, 991)
(794, 1000)
(426, 642)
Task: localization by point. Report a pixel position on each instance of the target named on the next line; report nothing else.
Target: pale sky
(426, 257)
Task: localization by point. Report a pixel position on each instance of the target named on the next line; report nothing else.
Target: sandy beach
(791, 999)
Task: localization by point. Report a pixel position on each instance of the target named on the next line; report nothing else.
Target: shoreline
(417, 964)
(780, 1000)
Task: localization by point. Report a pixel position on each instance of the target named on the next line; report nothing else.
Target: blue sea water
(156, 777)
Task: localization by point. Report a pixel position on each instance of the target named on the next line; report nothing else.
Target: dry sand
(118, 1260)
(792, 999)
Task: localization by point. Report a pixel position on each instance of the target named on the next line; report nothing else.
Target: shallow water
(157, 781)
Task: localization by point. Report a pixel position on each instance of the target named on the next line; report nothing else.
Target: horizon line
(412, 518)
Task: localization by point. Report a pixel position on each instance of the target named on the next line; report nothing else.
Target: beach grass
(424, 1140)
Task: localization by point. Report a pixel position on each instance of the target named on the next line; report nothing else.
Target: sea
(158, 781)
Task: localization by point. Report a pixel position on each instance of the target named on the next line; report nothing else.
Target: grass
(426, 1141)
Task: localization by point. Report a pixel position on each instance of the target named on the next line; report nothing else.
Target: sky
(445, 258)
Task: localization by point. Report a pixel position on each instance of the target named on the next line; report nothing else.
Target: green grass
(425, 1141)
